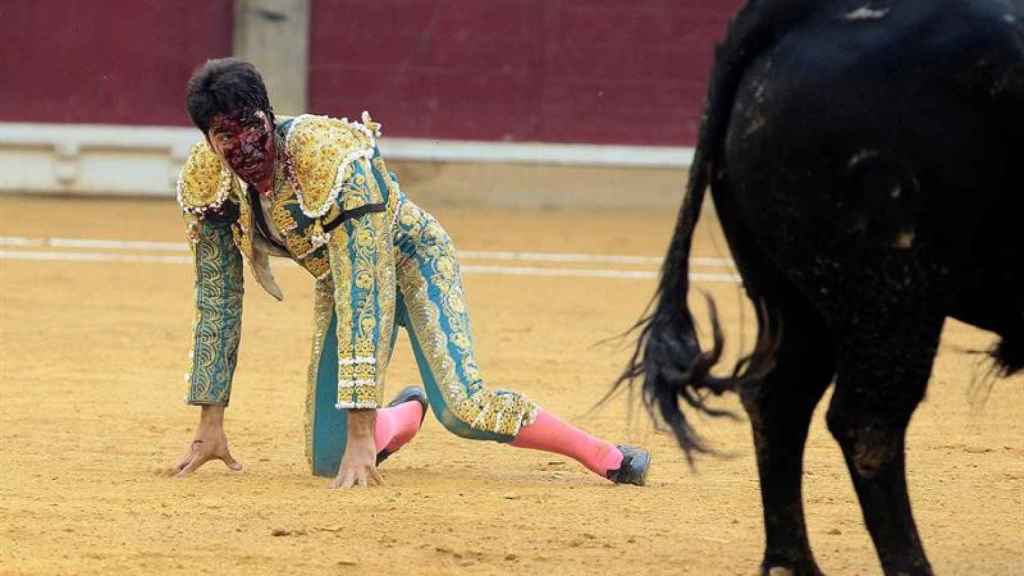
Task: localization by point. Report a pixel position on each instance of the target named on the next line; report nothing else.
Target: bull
(864, 158)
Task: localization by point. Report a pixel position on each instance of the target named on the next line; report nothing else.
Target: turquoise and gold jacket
(334, 204)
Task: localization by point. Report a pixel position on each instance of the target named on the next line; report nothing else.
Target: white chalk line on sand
(549, 257)
(150, 246)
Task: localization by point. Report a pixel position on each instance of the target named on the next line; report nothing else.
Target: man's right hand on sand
(209, 443)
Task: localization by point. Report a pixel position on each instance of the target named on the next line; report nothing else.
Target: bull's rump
(873, 134)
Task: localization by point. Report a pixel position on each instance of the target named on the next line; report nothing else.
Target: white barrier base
(145, 160)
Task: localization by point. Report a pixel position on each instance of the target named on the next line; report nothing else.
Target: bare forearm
(212, 416)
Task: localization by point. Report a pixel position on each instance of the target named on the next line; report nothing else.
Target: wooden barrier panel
(596, 71)
(110, 62)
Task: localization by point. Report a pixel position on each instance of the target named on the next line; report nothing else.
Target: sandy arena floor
(92, 414)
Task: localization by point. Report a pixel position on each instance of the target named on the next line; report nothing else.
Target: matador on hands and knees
(315, 189)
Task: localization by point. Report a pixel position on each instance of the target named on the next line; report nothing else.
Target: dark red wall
(106, 61)
(603, 71)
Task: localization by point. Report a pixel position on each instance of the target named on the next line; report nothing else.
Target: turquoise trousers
(430, 305)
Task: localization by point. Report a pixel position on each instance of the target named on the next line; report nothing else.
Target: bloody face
(245, 140)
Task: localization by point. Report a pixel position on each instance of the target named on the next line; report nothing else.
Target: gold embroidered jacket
(334, 204)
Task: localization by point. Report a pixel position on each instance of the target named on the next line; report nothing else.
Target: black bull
(866, 159)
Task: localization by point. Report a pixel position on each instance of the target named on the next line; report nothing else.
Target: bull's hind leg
(884, 365)
(780, 409)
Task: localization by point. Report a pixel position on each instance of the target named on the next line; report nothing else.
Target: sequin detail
(320, 153)
(204, 182)
(357, 276)
(431, 284)
(216, 325)
(361, 255)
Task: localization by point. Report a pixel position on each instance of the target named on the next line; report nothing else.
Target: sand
(92, 415)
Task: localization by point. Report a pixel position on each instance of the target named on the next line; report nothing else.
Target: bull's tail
(1008, 356)
(668, 355)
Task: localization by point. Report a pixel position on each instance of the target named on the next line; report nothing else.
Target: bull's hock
(96, 159)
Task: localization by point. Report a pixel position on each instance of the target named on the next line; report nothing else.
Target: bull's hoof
(804, 570)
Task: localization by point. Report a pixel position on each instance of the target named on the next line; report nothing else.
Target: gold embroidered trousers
(430, 305)
(391, 265)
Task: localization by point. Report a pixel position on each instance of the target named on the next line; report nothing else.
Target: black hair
(225, 86)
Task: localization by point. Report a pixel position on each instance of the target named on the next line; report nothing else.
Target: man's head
(225, 86)
(228, 102)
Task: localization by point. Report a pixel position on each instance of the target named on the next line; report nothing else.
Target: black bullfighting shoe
(635, 464)
(410, 394)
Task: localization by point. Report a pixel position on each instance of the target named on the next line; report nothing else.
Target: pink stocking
(550, 434)
(397, 425)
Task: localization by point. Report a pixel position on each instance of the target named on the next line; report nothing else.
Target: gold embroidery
(333, 213)
(243, 227)
(317, 236)
(237, 235)
(216, 324)
(319, 156)
(457, 374)
(204, 183)
(318, 266)
(283, 220)
(362, 263)
(192, 224)
(299, 246)
(394, 191)
(341, 274)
